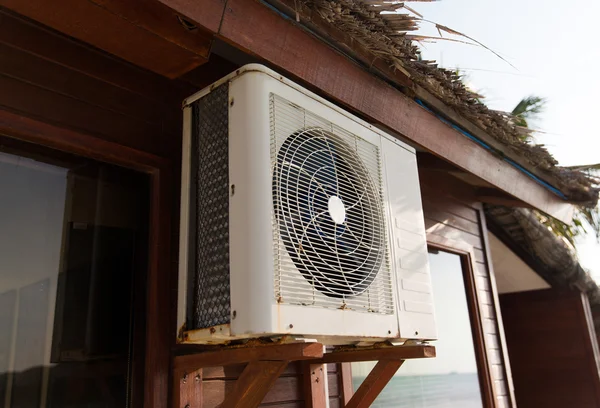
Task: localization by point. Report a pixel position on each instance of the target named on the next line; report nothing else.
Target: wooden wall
(288, 391)
(452, 216)
(57, 80)
(552, 349)
(54, 79)
(44, 75)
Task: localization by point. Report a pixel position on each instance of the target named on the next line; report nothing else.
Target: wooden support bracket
(315, 385)
(265, 363)
(251, 387)
(375, 382)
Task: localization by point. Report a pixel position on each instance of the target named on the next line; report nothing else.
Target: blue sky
(554, 47)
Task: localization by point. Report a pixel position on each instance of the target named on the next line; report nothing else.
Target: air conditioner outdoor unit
(297, 219)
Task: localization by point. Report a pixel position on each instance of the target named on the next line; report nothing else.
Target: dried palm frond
(385, 31)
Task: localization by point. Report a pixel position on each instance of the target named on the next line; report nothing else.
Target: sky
(554, 50)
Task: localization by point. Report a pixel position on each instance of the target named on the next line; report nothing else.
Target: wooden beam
(375, 382)
(251, 387)
(206, 13)
(493, 196)
(256, 29)
(377, 353)
(20, 34)
(225, 356)
(315, 381)
(187, 389)
(345, 370)
(143, 32)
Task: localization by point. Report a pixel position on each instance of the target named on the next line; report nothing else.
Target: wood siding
(53, 79)
(452, 215)
(286, 393)
(551, 344)
(56, 80)
(46, 76)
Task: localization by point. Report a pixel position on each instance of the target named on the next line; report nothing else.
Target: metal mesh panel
(328, 221)
(211, 169)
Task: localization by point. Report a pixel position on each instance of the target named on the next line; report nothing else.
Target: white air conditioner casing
(283, 191)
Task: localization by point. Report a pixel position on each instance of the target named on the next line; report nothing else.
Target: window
(450, 379)
(73, 244)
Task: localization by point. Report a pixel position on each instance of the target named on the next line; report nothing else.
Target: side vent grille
(210, 198)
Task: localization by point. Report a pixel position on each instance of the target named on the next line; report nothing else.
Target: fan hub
(337, 210)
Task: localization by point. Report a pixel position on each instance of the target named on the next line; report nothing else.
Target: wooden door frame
(157, 338)
(467, 258)
(466, 253)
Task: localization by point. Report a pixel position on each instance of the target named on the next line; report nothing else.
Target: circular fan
(329, 212)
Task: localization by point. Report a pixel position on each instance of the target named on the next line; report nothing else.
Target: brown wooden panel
(434, 227)
(447, 203)
(46, 44)
(224, 356)
(315, 390)
(97, 26)
(435, 213)
(207, 13)
(54, 77)
(284, 389)
(550, 344)
(55, 108)
(233, 371)
(255, 382)
(161, 20)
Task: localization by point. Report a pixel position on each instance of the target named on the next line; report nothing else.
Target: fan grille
(328, 218)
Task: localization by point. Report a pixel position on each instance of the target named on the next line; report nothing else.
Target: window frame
(154, 339)
(467, 258)
(466, 253)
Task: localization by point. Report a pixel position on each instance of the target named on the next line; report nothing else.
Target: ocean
(429, 391)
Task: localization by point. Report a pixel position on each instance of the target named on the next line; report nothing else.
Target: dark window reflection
(72, 247)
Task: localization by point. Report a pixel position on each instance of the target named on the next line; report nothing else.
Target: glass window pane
(450, 379)
(72, 241)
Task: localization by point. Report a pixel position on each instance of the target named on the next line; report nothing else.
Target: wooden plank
(285, 389)
(94, 25)
(315, 393)
(434, 227)
(442, 185)
(207, 13)
(375, 382)
(552, 354)
(55, 108)
(346, 380)
(254, 383)
(231, 372)
(161, 20)
(18, 64)
(69, 140)
(506, 376)
(187, 389)
(450, 220)
(289, 47)
(49, 45)
(283, 352)
(378, 353)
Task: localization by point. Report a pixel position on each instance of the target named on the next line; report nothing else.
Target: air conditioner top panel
(267, 71)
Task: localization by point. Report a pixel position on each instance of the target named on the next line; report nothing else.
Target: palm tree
(527, 109)
(584, 218)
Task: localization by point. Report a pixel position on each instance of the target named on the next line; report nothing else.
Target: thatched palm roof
(384, 30)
